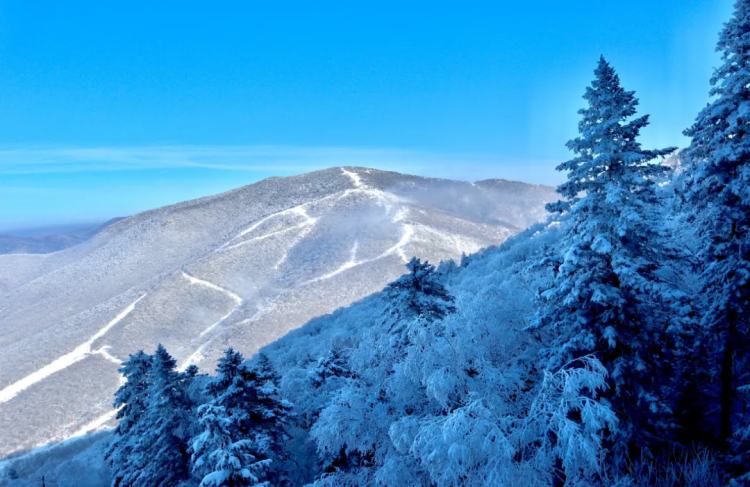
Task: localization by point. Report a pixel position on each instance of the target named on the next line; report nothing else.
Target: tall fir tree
(221, 457)
(228, 387)
(131, 400)
(601, 303)
(161, 452)
(230, 450)
(719, 189)
(271, 411)
(242, 425)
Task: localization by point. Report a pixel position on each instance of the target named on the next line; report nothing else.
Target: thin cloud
(230, 158)
(281, 160)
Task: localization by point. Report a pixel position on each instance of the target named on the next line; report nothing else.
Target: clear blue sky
(107, 108)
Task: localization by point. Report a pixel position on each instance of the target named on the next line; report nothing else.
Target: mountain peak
(245, 266)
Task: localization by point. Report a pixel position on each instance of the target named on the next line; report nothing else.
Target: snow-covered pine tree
(130, 400)
(161, 450)
(719, 188)
(270, 413)
(227, 386)
(602, 301)
(332, 365)
(242, 425)
(230, 450)
(419, 292)
(329, 373)
(221, 456)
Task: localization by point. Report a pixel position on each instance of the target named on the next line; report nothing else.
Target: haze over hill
(240, 268)
(43, 240)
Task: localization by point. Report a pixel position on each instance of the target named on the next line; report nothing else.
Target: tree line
(175, 426)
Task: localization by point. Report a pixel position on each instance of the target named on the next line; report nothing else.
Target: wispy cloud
(230, 158)
(259, 159)
(283, 159)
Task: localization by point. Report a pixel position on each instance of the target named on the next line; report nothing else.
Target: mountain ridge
(244, 266)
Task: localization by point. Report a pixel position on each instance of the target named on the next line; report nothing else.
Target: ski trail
(198, 354)
(297, 240)
(398, 248)
(104, 352)
(94, 424)
(194, 358)
(298, 210)
(407, 236)
(352, 262)
(217, 322)
(201, 282)
(267, 235)
(264, 306)
(356, 179)
(79, 353)
(406, 239)
(383, 198)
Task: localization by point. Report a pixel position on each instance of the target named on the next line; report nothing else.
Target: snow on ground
(352, 262)
(197, 355)
(297, 210)
(79, 353)
(201, 282)
(461, 244)
(104, 352)
(267, 235)
(398, 249)
(406, 238)
(95, 425)
(356, 179)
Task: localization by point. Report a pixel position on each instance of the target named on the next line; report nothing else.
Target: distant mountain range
(44, 240)
(242, 268)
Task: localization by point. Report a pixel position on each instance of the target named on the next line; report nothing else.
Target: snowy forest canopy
(608, 346)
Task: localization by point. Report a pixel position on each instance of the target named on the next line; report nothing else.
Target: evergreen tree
(161, 452)
(270, 412)
(131, 401)
(235, 393)
(601, 304)
(420, 293)
(227, 459)
(719, 189)
(228, 387)
(333, 364)
(242, 425)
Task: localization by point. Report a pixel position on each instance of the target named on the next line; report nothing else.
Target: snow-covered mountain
(240, 268)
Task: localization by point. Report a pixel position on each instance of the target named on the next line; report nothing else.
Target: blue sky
(109, 108)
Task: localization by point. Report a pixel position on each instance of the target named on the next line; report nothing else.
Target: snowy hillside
(494, 295)
(240, 268)
(376, 376)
